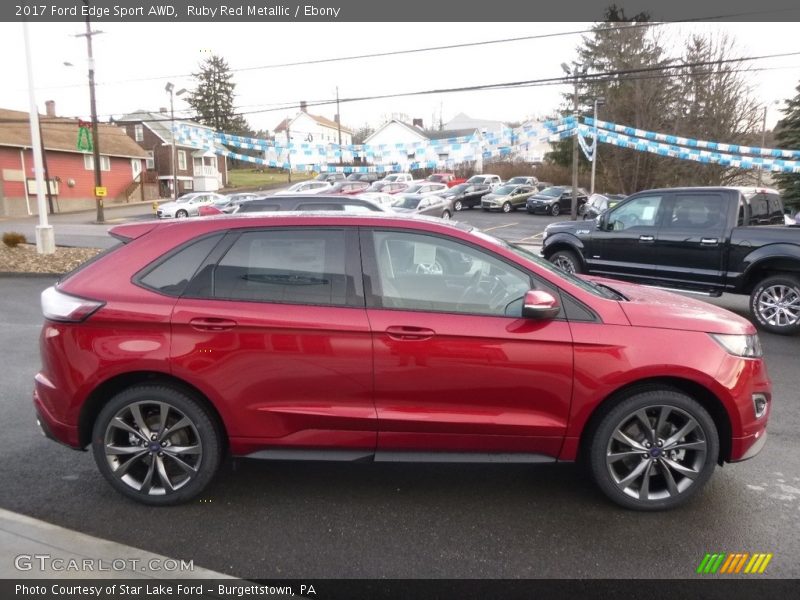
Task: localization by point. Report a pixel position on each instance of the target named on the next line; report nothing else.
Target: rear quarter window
(171, 274)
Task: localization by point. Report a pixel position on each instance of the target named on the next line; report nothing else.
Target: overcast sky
(155, 53)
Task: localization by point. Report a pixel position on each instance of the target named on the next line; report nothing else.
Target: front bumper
(538, 208)
(753, 444)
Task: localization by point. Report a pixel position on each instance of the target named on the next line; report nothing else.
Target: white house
(531, 149)
(462, 121)
(313, 130)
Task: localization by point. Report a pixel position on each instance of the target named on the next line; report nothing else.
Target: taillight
(58, 306)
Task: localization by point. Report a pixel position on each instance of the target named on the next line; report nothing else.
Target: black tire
(181, 214)
(507, 208)
(665, 464)
(567, 260)
(446, 215)
(200, 441)
(458, 207)
(555, 210)
(775, 304)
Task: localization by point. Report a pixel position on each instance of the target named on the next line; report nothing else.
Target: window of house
(287, 266)
(150, 163)
(181, 160)
(188, 184)
(136, 167)
(88, 162)
(138, 133)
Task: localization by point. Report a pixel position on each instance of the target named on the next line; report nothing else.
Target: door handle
(646, 238)
(407, 333)
(212, 324)
(709, 241)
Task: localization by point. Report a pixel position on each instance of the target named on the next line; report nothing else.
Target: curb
(29, 274)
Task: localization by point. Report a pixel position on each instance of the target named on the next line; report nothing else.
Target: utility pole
(574, 203)
(339, 124)
(288, 151)
(597, 102)
(98, 178)
(763, 143)
(45, 237)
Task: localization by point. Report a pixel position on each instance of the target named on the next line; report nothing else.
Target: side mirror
(539, 304)
(601, 222)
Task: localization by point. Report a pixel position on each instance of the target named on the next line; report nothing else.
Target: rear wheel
(446, 215)
(654, 450)
(567, 260)
(775, 304)
(156, 445)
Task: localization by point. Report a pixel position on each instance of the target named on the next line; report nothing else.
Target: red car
(448, 178)
(385, 338)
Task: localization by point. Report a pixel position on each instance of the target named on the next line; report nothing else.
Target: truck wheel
(567, 260)
(775, 304)
(654, 450)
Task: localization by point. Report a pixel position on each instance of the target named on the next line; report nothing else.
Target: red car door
(456, 368)
(274, 329)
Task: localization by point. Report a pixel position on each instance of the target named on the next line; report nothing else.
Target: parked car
(424, 187)
(380, 198)
(331, 177)
(285, 336)
(388, 187)
(465, 195)
(447, 178)
(315, 202)
(597, 204)
(507, 197)
(226, 205)
(522, 180)
(543, 185)
(424, 204)
(314, 186)
(187, 205)
(703, 240)
(368, 177)
(398, 178)
(348, 187)
(491, 180)
(556, 200)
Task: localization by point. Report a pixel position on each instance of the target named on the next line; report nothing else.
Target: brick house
(197, 170)
(70, 171)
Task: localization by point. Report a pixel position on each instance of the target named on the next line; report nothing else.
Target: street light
(600, 101)
(574, 73)
(171, 89)
(764, 136)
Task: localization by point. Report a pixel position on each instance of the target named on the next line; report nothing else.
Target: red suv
(312, 336)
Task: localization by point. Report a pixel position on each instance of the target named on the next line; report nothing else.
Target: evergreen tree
(787, 136)
(213, 97)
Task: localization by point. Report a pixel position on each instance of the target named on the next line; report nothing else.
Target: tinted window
(286, 266)
(256, 206)
(775, 208)
(696, 211)
(172, 274)
(759, 210)
(420, 272)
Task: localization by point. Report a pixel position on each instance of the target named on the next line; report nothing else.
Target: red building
(70, 171)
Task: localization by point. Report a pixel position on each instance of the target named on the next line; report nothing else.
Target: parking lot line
(500, 226)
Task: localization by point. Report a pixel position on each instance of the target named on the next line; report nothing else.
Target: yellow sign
(100, 192)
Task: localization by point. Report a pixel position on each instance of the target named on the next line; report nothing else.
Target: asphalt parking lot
(328, 520)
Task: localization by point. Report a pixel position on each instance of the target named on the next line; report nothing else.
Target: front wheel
(156, 445)
(654, 450)
(775, 304)
(567, 260)
(181, 214)
(506, 207)
(446, 215)
(555, 210)
(458, 206)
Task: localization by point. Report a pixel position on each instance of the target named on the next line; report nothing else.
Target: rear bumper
(51, 427)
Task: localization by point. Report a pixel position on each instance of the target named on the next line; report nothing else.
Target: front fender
(561, 241)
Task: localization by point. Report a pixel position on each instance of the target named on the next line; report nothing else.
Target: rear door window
(701, 212)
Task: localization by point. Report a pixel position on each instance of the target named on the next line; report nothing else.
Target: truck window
(640, 212)
(775, 207)
(697, 211)
(759, 211)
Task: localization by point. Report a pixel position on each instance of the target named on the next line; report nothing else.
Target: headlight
(746, 346)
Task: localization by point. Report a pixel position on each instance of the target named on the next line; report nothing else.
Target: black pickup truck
(706, 240)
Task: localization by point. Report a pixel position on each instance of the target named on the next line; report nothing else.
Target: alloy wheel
(779, 305)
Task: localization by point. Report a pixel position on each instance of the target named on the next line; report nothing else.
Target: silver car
(187, 205)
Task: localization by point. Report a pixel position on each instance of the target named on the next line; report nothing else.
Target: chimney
(418, 123)
(303, 106)
(50, 108)
(163, 110)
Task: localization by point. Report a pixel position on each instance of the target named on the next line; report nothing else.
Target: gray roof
(451, 133)
(159, 123)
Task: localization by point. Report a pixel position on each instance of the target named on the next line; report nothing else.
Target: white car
(187, 205)
(383, 200)
(308, 187)
(424, 187)
(398, 178)
(487, 179)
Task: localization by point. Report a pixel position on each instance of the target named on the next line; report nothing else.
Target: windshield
(406, 202)
(505, 190)
(518, 180)
(551, 191)
(588, 286)
(184, 199)
(456, 189)
(221, 202)
(475, 179)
